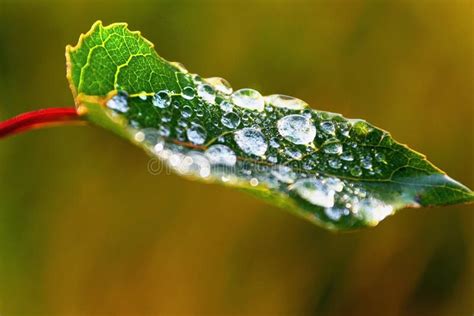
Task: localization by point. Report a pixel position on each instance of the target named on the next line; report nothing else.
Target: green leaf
(339, 173)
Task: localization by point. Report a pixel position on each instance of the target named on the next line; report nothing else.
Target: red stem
(38, 119)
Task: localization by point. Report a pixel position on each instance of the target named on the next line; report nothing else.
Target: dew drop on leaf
(119, 102)
(285, 102)
(206, 92)
(251, 141)
(334, 163)
(221, 155)
(315, 192)
(197, 134)
(328, 127)
(162, 99)
(188, 93)
(220, 84)
(297, 129)
(179, 66)
(186, 112)
(226, 106)
(366, 162)
(249, 99)
(293, 153)
(230, 120)
(333, 147)
(284, 174)
(347, 156)
(356, 171)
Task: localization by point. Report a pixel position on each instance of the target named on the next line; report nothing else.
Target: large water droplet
(221, 155)
(162, 99)
(249, 99)
(286, 102)
(206, 92)
(196, 134)
(230, 120)
(188, 93)
(220, 84)
(119, 102)
(315, 192)
(297, 129)
(251, 141)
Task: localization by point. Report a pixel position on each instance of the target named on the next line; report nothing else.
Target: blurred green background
(86, 230)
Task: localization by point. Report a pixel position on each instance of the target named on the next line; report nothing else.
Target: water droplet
(150, 136)
(251, 141)
(119, 102)
(308, 114)
(199, 112)
(249, 99)
(334, 163)
(366, 162)
(333, 147)
(179, 66)
(221, 155)
(206, 92)
(284, 174)
(200, 166)
(188, 93)
(284, 101)
(293, 153)
(356, 171)
(226, 106)
(274, 143)
(220, 84)
(347, 156)
(162, 99)
(315, 192)
(187, 111)
(272, 159)
(197, 134)
(230, 120)
(334, 214)
(164, 131)
(159, 146)
(254, 182)
(166, 117)
(380, 157)
(139, 137)
(328, 127)
(297, 129)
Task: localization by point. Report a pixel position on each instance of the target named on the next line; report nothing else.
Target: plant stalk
(40, 119)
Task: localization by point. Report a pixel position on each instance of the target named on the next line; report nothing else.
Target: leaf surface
(339, 173)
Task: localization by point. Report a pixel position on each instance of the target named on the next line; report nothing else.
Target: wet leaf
(339, 173)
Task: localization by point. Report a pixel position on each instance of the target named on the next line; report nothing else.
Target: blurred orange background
(86, 230)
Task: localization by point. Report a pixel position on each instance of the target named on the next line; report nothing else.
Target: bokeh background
(86, 230)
